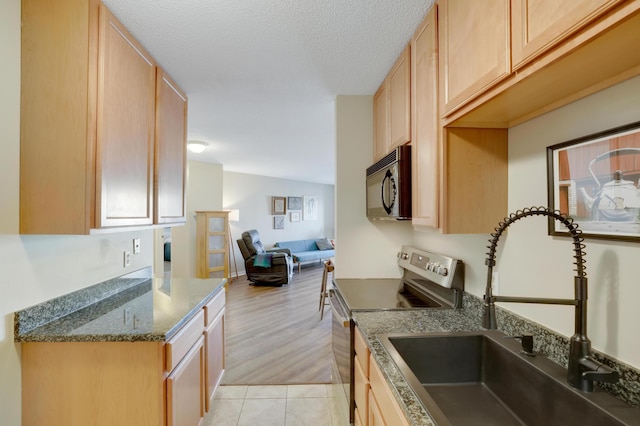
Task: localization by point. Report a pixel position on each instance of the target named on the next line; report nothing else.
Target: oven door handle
(338, 311)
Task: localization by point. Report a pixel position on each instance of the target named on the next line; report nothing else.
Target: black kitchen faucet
(583, 369)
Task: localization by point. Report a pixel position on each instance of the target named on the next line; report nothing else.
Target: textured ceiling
(262, 75)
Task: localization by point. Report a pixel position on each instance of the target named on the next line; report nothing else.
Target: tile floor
(283, 405)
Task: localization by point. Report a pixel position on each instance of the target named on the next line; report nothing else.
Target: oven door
(342, 345)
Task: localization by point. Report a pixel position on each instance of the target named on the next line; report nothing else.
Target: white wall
(365, 248)
(204, 192)
(38, 268)
(251, 195)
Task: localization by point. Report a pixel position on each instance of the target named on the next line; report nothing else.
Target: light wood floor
(274, 335)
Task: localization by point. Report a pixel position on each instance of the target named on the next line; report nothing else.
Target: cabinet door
(380, 122)
(170, 151)
(215, 357)
(475, 180)
(375, 417)
(399, 101)
(426, 137)
(125, 128)
(474, 40)
(185, 385)
(538, 26)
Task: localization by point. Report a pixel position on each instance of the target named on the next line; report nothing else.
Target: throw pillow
(324, 244)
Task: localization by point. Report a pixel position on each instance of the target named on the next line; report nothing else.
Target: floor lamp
(234, 216)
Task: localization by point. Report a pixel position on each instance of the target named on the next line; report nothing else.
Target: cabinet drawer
(362, 352)
(179, 345)
(360, 388)
(214, 307)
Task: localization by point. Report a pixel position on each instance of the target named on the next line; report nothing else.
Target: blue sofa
(307, 250)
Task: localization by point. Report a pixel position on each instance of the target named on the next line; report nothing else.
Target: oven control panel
(432, 266)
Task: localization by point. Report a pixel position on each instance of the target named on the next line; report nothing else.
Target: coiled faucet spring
(576, 234)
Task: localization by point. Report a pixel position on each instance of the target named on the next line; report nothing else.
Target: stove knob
(443, 271)
(403, 256)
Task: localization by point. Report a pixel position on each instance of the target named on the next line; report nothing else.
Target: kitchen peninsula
(125, 351)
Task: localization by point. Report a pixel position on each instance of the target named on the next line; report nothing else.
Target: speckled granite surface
(550, 344)
(131, 309)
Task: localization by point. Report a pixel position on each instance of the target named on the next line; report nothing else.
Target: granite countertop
(547, 343)
(409, 321)
(122, 309)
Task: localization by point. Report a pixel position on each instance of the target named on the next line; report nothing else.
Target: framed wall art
(310, 207)
(278, 205)
(294, 203)
(595, 180)
(278, 222)
(295, 216)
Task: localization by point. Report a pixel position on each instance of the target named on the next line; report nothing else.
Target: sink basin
(481, 378)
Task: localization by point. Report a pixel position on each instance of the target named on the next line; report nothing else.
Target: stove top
(430, 280)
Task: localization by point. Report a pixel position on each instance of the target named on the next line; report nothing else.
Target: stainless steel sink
(481, 378)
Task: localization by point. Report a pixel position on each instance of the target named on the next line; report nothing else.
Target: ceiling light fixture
(196, 146)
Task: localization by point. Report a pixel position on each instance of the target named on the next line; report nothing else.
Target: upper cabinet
(392, 108)
(89, 124)
(170, 165)
(474, 53)
(538, 26)
(125, 127)
(380, 122)
(503, 63)
(425, 123)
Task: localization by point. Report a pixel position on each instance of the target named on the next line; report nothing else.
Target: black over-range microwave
(389, 186)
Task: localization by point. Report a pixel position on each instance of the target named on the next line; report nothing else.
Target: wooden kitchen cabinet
(392, 108)
(361, 378)
(538, 26)
(560, 53)
(383, 407)
(88, 117)
(474, 48)
(125, 127)
(214, 345)
(380, 122)
(475, 180)
(140, 382)
(399, 81)
(170, 151)
(185, 385)
(425, 123)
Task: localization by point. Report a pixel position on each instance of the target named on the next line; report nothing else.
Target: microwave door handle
(388, 184)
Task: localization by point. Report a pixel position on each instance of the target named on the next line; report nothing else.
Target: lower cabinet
(361, 379)
(383, 407)
(375, 404)
(375, 416)
(214, 346)
(126, 383)
(185, 385)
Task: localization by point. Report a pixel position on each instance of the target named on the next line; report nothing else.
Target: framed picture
(294, 203)
(595, 180)
(310, 207)
(278, 205)
(295, 216)
(278, 222)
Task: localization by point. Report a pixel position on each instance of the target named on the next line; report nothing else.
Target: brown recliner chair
(271, 267)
